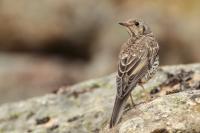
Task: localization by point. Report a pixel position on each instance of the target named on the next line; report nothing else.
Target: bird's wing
(130, 69)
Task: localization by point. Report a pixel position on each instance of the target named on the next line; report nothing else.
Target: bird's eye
(137, 24)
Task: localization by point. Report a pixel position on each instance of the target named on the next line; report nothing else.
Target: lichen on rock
(174, 106)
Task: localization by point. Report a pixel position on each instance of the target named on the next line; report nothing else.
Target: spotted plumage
(138, 62)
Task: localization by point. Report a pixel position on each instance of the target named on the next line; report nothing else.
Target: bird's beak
(125, 24)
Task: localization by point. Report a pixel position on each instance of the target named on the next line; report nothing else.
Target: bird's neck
(133, 39)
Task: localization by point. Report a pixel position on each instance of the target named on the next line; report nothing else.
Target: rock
(25, 76)
(177, 112)
(86, 107)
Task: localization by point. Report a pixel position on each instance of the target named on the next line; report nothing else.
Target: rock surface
(31, 75)
(174, 106)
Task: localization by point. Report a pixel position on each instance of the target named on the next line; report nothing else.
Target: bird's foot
(147, 96)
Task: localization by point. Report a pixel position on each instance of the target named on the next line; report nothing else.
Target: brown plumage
(138, 62)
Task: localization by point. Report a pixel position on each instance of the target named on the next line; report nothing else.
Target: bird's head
(136, 27)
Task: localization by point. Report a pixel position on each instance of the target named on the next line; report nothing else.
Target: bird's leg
(147, 96)
(130, 106)
(142, 87)
(133, 104)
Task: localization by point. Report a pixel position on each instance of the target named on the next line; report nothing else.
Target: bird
(138, 63)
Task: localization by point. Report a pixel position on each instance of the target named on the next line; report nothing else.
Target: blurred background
(46, 44)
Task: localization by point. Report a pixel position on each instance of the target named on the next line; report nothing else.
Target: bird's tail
(117, 110)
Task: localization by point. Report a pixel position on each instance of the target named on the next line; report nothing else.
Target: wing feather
(130, 69)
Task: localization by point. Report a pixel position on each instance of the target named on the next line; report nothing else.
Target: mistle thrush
(138, 62)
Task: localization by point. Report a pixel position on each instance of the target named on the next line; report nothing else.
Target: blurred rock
(64, 27)
(86, 107)
(87, 31)
(24, 76)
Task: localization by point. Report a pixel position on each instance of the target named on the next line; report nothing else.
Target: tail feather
(117, 110)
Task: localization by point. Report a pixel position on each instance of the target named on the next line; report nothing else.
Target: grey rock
(86, 107)
(174, 113)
